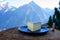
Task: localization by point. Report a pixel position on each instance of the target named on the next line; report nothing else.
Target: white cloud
(47, 3)
(18, 3)
(42, 3)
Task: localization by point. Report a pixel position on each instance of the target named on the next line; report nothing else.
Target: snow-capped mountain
(19, 16)
(49, 12)
(5, 13)
(6, 6)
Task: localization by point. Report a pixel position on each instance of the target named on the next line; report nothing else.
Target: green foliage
(56, 19)
(50, 21)
(57, 14)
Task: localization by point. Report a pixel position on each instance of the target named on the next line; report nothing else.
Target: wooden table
(14, 34)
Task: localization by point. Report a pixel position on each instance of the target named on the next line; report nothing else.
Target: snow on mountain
(39, 12)
(49, 12)
(19, 16)
(6, 6)
(5, 13)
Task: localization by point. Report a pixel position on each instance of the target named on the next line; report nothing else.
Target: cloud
(42, 3)
(18, 3)
(47, 3)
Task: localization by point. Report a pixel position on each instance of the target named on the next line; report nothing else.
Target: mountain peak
(32, 2)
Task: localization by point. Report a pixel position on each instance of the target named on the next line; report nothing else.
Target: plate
(24, 29)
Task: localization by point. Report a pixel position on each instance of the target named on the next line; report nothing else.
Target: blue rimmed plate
(24, 29)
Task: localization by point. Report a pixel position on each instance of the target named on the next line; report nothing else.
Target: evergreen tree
(50, 21)
(57, 14)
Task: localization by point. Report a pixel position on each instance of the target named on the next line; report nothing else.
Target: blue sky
(42, 3)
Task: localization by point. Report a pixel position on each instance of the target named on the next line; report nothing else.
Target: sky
(42, 3)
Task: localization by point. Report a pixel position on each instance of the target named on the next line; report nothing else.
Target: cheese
(34, 26)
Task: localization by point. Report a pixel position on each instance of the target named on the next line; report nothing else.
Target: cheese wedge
(34, 26)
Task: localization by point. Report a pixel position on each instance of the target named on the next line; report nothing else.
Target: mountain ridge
(17, 17)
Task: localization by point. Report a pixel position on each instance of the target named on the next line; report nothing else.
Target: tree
(57, 15)
(50, 21)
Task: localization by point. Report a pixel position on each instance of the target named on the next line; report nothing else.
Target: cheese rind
(34, 26)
